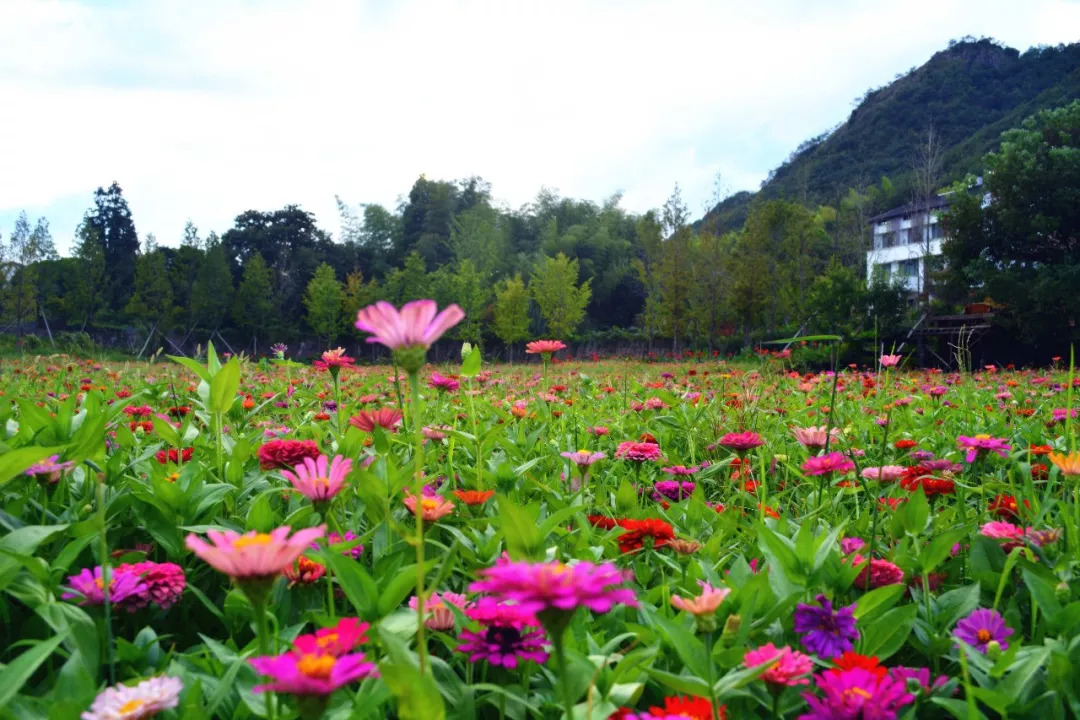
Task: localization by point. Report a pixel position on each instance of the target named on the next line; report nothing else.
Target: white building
(902, 240)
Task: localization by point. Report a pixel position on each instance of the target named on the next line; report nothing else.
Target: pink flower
(310, 673)
(339, 640)
(438, 615)
(880, 573)
(416, 325)
(638, 451)
(1002, 531)
(253, 554)
(583, 458)
(705, 603)
(90, 586)
(334, 360)
(890, 360)
(554, 586)
(788, 667)
(316, 481)
(834, 462)
(544, 347)
(741, 442)
(886, 473)
(165, 583)
(431, 507)
(387, 418)
(981, 445)
(814, 437)
(443, 383)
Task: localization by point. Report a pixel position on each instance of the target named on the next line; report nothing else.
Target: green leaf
(192, 365)
(523, 538)
(889, 632)
(418, 698)
(223, 387)
(398, 588)
(690, 650)
(1042, 593)
(355, 582)
(14, 462)
(805, 338)
(470, 367)
(916, 513)
(878, 601)
(955, 604)
(19, 670)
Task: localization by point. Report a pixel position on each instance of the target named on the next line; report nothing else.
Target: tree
(191, 236)
(472, 292)
(25, 249)
(111, 220)
(322, 299)
(355, 295)
(212, 292)
(254, 307)
(710, 286)
(409, 282)
(554, 287)
(88, 293)
(926, 165)
(151, 303)
(1022, 249)
(836, 300)
(650, 238)
(512, 312)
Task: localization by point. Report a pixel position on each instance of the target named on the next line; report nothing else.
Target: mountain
(969, 93)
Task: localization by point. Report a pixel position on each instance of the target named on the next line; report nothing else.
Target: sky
(204, 109)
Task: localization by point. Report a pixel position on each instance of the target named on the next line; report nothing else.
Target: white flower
(144, 700)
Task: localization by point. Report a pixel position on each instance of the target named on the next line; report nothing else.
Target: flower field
(242, 538)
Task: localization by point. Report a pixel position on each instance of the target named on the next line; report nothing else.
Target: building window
(880, 273)
(910, 268)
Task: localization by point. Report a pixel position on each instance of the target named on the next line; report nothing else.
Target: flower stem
(560, 661)
(262, 634)
(418, 494)
(106, 579)
(711, 672)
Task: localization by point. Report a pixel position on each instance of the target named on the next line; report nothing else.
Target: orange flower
(474, 497)
(1067, 464)
(432, 508)
(1040, 449)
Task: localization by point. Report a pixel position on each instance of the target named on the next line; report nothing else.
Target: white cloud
(206, 109)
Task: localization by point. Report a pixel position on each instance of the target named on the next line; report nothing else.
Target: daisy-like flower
(253, 555)
(88, 587)
(318, 480)
(432, 508)
(672, 489)
(834, 462)
(165, 583)
(981, 445)
(856, 694)
(539, 587)
(304, 572)
(135, 702)
(334, 539)
(824, 632)
(333, 360)
(473, 497)
(306, 674)
(583, 458)
(544, 347)
(638, 451)
(682, 708)
(638, 532)
(885, 473)
(504, 637)
(437, 614)
(983, 627)
(443, 383)
(787, 667)
(814, 437)
(890, 360)
(703, 604)
(741, 442)
(415, 325)
(339, 640)
(279, 454)
(387, 418)
(50, 469)
(1068, 464)
(877, 573)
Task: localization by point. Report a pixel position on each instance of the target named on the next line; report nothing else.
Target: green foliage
(151, 303)
(554, 287)
(512, 311)
(323, 300)
(254, 306)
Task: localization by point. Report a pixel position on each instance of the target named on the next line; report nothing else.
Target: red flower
(1039, 471)
(170, 455)
(637, 530)
(1005, 506)
(602, 521)
(851, 660)
(474, 497)
(905, 444)
(1040, 449)
(693, 708)
(286, 453)
(918, 475)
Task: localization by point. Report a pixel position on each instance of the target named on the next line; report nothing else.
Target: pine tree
(472, 293)
(212, 293)
(322, 299)
(255, 306)
(20, 301)
(111, 218)
(561, 300)
(88, 289)
(355, 295)
(512, 312)
(151, 303)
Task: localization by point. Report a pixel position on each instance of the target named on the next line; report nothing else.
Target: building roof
(936, 203)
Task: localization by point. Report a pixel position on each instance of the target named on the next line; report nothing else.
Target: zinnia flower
(317, 482)
(890, 360)
(437, 615)
(304, 572)
(164, 583)
(981, 445)
(824, 632)
(135, 702)
(854, 694)
(638, 451)
(539, 587)
(504, 638)
(703, 604)
(877, 573)
(443, 383)
(416, 325)
(544, 347)
(787, 667)
(834, 462)
(431, 508)
(89, 587)
(334, 360)
(982, 627)
(672, 489)
(683, 708)
(886, 473)
(386, 418)
(1068, 464)
(814, 437)
(49, 469)
(253, 555)
(280, 454)
(311, 673)
(741, 442)
(583, 458)
(473, 497)
(637, 531)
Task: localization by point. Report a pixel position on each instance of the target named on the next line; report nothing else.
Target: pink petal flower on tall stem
(415, 325)
(253, 554)
(890, 360)
(316, 480)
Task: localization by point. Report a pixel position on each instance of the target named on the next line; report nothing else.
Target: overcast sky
(202, 110)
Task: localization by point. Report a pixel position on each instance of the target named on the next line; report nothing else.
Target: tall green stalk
(418, 495)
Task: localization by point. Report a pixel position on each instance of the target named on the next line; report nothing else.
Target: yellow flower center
(101, 583)
(131, 706)
(583, 452)
(322, 482)
(316, 666)
(858, 691)
(246, 540)
(984, 636)
(982, 437)
(429, 504)
(327, 640)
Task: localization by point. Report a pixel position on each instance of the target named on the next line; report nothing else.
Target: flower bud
(731, 630)
(1063, 592)
(993, 649)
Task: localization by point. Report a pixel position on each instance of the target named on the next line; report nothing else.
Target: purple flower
(554, 586)
(89, 587)
(826, 633)
(920, 675)
(672, 490)
(504, 638)
(982, 627)
(981, 445)
(856, 694)
(850, 545)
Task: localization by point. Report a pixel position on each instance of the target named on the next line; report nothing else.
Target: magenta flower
(856, 694)
(311, 674)
(890, 360)
(877, 573)
(826, 633)
(49, 469)
(679, 470)
(416, 325)
(253, 555)
(787, 667)
(504, 638)
(672, 489)
(317, 482)
(982, 627)
(741, 442)
(89, 587)
(921, 676)
(334, 539)
(834, 462)
(164, 582)
(339, 640)
(554, 586)
(638, 451)
(443, 383)
(437, 613)
(544, 347)
(583, 458)
(981, 445)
